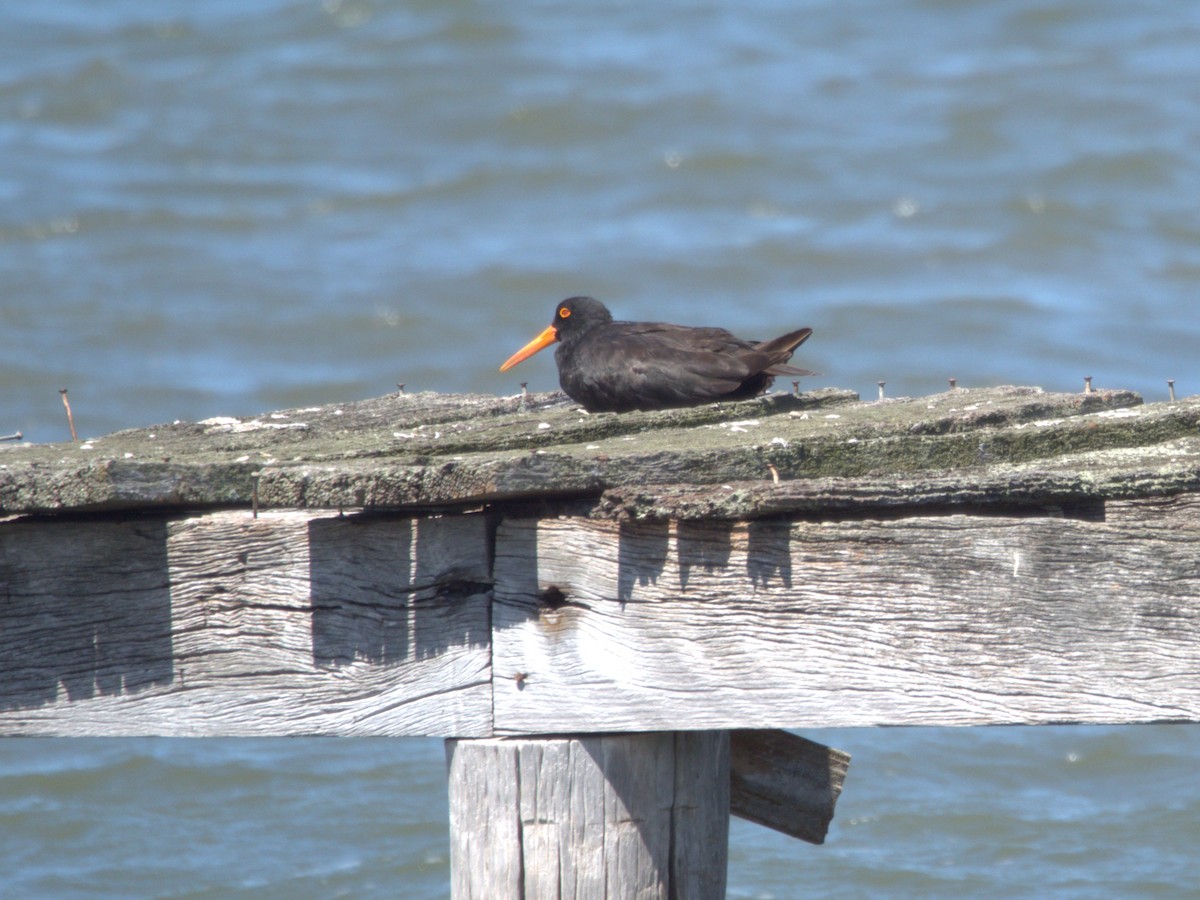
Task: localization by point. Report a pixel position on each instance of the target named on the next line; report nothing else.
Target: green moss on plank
(437, 449)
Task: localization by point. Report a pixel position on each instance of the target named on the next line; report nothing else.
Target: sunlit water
(226, 208)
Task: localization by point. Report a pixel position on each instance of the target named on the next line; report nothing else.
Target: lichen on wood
(427, 450)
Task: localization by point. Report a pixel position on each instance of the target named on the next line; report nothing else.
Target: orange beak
(545, 339)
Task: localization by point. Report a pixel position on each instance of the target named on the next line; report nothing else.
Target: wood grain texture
(224, 624)
(641, 815)
(785, 782)
(950, 620)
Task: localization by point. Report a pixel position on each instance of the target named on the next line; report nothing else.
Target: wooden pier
(610, 618)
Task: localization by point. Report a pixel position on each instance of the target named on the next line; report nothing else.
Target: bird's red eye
(564, 313)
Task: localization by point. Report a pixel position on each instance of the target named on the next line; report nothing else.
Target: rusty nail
(70, 418)
(1170, 387)
(15, 436)
(953, 384)
(1087, 384)
(881, 384)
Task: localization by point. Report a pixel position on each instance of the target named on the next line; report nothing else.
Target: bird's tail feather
(782, 347)
(781, 369)
(785, 343)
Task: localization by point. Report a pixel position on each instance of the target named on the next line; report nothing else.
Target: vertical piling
(595, 816)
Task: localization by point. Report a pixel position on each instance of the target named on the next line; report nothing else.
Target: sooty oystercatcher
(610, 366)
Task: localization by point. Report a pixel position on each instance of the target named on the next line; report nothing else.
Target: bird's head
(572, 317)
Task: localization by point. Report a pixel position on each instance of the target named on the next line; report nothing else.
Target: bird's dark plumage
(613, 366)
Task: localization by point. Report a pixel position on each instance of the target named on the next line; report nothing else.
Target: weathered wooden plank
(221, 624)
(397, 449)
(1070, 484)
(85, 612)
(637, 815)
(432, 450)
(949, 620)
(785, 782)
(295, 623)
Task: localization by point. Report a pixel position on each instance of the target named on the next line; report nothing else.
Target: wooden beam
(944, 620)
(632, 815)
(226, 624)
(785, 782)
(305, 623)
(422, 450)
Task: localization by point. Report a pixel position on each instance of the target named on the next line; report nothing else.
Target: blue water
(985, 812)
(222, 208)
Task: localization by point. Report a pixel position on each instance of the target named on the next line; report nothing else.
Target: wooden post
(588, 817)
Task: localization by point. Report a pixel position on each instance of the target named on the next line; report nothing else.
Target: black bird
(612, 366)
